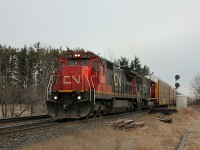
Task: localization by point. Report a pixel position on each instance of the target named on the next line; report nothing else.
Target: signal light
(177, 85)
(177, 77)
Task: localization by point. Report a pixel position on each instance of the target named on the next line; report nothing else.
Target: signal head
(177, 77)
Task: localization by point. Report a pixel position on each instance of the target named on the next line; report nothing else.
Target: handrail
(89, 86)
(93, 87)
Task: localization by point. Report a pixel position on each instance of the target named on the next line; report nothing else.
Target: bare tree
(110, 54)
(195, 84)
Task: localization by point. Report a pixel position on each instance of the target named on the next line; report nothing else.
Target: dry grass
(190, 112)
(159, 135)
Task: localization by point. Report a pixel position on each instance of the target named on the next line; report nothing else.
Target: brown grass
(159, 135)
(190, 112)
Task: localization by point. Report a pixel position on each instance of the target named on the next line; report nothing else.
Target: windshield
(85, 62)
(73, 62)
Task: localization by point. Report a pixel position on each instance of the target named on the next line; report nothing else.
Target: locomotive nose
(76, 78)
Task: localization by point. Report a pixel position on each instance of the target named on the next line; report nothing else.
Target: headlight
(55, 97)
(79, 97)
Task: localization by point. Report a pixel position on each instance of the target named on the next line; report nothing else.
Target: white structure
(181, 101)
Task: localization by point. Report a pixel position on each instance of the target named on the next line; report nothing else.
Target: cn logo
(68, 79)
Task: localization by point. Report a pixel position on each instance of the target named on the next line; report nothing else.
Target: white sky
(164, 34)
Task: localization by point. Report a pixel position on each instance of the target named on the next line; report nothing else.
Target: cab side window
(102, 69)
(85, 62)
(95, 66)
(62, 64)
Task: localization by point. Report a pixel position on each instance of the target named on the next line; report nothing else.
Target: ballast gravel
(26, 138)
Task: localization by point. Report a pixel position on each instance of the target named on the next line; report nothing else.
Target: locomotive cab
(70, 88)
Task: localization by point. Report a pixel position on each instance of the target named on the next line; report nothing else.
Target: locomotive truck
(85, 84)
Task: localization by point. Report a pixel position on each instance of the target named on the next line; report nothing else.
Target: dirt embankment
(157, 135)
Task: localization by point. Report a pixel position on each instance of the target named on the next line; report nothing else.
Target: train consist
(85, 84)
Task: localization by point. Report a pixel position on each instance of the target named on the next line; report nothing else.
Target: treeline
(25, 72)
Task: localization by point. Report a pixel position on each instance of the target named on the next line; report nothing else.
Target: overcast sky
(164, 34)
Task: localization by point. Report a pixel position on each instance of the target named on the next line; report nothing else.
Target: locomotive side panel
(117, 82)
(129, 86)
(122, 86)
(139, 87)
(146, 88)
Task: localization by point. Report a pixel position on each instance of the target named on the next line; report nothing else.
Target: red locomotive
(86, 85)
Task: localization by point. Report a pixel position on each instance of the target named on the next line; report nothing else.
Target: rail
(27, 118)
(182, 140)
(25, 127)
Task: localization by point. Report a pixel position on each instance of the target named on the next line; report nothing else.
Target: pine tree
(123, 62)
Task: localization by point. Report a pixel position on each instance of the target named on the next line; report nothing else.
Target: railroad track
(28, 118)
(7, 130)
(182, 140)
(16, 129)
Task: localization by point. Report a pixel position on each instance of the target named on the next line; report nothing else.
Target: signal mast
(177, 85)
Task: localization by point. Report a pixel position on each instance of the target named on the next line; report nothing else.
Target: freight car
(161, 92)
(85, 84)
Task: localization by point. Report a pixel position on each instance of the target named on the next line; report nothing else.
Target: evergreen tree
(123, 62)
(136, 65)
(22, 67)
(145, 71)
